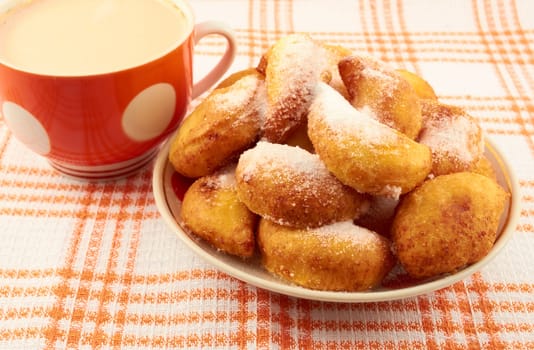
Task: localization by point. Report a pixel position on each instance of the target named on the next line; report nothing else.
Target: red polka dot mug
(95, 86)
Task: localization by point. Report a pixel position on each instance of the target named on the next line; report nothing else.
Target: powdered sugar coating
(269, 156)
(455, 138)
(224, 178)
(241, 93)
(339, 115)
(345, 231)
(295, 64)
(290, 186)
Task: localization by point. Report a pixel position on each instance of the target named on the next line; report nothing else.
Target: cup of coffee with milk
(95, 86)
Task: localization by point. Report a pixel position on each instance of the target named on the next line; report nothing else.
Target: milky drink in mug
(96, 85)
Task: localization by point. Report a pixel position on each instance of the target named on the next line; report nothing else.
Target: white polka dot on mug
(95, 86)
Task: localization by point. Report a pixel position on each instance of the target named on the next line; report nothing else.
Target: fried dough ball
(421, 87)
(454, 137)
(383, 93)
(223, 125)
(293, 66)
(212, 211)
(292, 187)
(337, 257)
(361, 152)
(290, 76)
(447, 223)
(327, 59)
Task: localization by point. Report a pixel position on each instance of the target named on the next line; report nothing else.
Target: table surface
(85, 265)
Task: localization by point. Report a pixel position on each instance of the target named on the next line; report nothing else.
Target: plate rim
(286, 288)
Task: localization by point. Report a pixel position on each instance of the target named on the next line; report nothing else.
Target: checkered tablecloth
(93, 265)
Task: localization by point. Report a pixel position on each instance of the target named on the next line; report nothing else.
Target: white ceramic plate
(165, 182)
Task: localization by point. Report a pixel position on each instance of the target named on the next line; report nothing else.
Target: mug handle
(215, 27)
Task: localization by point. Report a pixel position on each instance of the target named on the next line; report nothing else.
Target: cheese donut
(361, 152)
(292, 187)
(454, 137)
(337, 257)
(447, 223)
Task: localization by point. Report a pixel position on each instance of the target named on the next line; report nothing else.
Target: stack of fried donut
(335, 167)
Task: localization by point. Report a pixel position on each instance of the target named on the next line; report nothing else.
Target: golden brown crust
(227, 122)
(446, 223)
(361, 152)
(292, 187)
(339, 257)
(212, 211)
(291, 74)
(455, 138)
(383, 93)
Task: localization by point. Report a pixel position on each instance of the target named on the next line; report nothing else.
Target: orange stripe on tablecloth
(23, 312)
(506, 132)
(82, 294)
(467, 60)
(529, 228)
(384, 50)
(190, 317)
(416, 34)
(277, 15)
(71, 213)
(123, 297)
(26, 273)
(527, 183)
(264, 24)
(52, 332)
(464, 306)
(412, 56)
(111, 265)
(395, 43)
(35, 184)
(359, 326)
(483, 304)
(263, 322)
(198, 293)
(444, 322)
(304, 324)
(491, 23)
(523, 41)
(26, 170)
(13, 334)
(217, 339)
(285, 322)
(15, 292)
(427, 322)
(59, 198)
(291, 16)
(365, 27)
(485, 99)
(378, 37)
(251, 52)
(242, 314)
(137, 319)
(521, 32)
